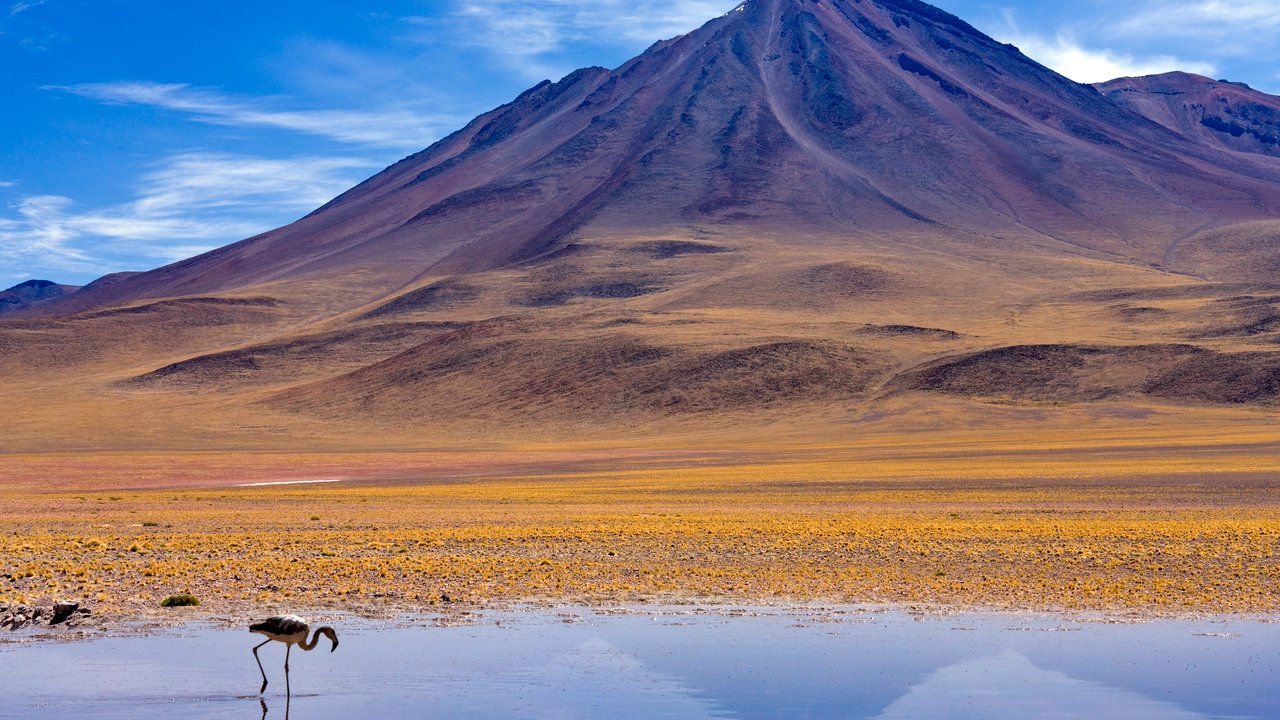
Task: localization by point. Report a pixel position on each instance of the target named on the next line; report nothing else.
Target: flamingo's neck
(310, 645)
(315, 638)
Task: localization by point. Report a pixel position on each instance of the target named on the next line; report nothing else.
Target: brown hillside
(805, 220)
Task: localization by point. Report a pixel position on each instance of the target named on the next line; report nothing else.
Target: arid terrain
(1142, 523)
(825, 300)
(626, 340)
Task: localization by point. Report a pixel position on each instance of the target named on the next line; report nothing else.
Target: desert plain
(1090, 521)
(926, 437)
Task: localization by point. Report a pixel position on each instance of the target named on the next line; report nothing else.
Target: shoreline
(461, 615)
(694, 661)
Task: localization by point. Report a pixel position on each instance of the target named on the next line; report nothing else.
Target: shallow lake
(671, 663)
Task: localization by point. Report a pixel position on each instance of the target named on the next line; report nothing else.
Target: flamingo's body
(290, 630)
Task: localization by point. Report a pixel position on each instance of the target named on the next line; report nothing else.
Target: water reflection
(288, 700)
(596, 678)
(1010, 687)
(753, 664)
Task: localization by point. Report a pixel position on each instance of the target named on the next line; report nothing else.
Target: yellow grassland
(1141, 523)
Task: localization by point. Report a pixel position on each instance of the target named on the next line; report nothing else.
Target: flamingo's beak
(335, 645)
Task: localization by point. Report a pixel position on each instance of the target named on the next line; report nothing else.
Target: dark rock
(62, 611)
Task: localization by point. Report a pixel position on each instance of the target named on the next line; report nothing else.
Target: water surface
(816, 663)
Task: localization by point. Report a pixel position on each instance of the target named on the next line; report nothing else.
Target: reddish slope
(810, 117)
(1229, 114)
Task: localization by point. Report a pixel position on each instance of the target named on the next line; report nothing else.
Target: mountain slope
(1227, 114)
(32, 292)
(844, 118)
(803, 220)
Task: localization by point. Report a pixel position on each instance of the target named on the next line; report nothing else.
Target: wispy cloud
(1217, 18)
(20, 7)
(528, 32)
(1089, 46)
(188, 204)
(385, 128)
(553, 22)
(36, 240)
(4, 184)
(1106, 39)
(28, 30)
(1070, 58)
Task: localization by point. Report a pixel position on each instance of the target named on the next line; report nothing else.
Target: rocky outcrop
(63, 613)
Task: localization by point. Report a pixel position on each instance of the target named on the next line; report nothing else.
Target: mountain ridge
(1232, 115)
(718, 126)
(804, 219)
(32, 293)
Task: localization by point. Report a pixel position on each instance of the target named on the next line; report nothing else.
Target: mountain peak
(1230, 115)
(32, 285)
(868, 118)
(837, 213)
(32, 292)
(874, 17)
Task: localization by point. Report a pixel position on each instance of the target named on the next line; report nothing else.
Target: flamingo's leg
(287, 691)
(264, 672)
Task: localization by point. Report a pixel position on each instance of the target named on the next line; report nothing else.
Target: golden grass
(1048, 523)
(131, 492)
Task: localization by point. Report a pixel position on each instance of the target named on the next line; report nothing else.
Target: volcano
(802, 207)
(841, 117)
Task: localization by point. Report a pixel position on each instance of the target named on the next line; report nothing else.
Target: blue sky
(137, 132)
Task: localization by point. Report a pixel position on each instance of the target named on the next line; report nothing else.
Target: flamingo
(290, 630)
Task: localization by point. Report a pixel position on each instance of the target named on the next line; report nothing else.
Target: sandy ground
(1126, 527)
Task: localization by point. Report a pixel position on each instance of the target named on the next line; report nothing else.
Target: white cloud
(524, 30)
(26, 29)
(21, 7)
(1217, 18)
(548, 23)
(36, 241)
(203, 181)
(189, 204)
(388, 128)
(4, 184)
(1087, 65)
